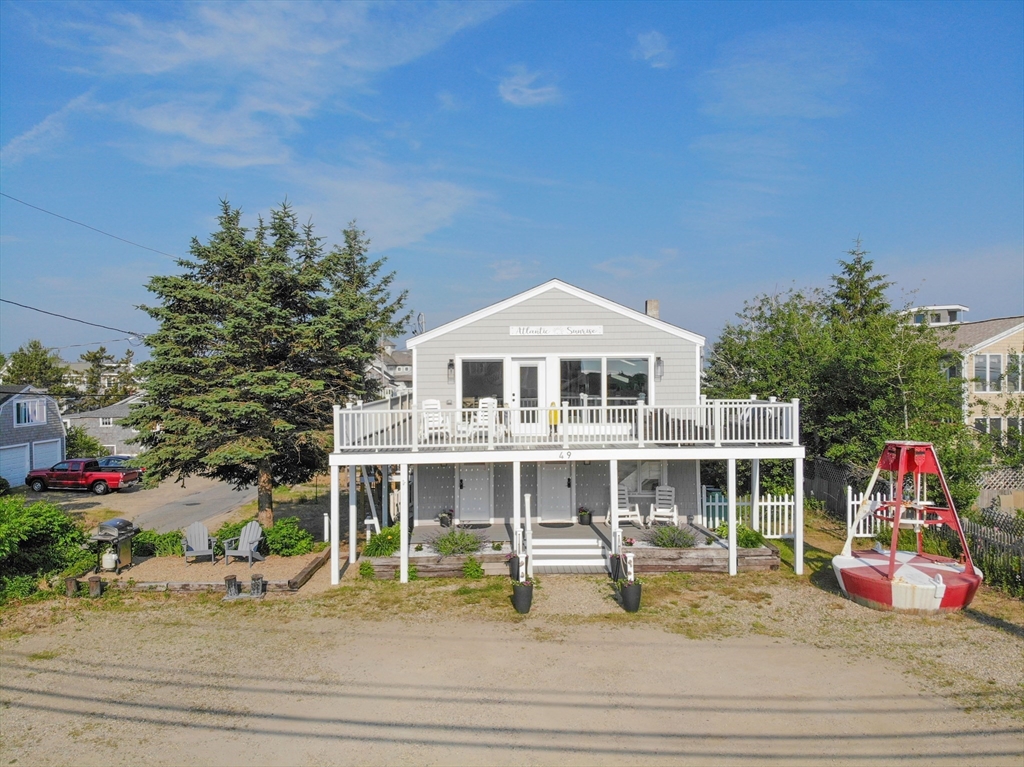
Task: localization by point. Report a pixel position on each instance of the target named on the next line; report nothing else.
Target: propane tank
(109, 561)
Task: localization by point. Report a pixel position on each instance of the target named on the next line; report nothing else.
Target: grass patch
(44, 655)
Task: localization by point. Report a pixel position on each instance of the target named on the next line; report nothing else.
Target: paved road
(194, 505)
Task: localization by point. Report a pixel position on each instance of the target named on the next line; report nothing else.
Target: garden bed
(706, 559)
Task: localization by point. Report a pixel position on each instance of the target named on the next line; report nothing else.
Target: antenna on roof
(421, 324)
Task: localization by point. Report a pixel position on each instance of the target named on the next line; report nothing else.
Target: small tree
(35, 365)
(259, 336)
(80, 444)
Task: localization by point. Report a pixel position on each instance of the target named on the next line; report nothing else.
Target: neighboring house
(557, 398)
(77, 371)
(938, 316)
(393, 369)
(32, 434)
(990, 362)
(104, 425)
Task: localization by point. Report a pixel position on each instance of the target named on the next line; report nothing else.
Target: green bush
(287, 539)
(366, 570)
(672, 537)
(385, 543)
(232, 530)
(456, 543)
(414, 574)
(931, 542)
(17, 587)
(36, 539)
(472, 569)
(150, 543)
(745, 537)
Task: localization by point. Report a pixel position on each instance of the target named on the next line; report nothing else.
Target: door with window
(528, 398)
(473, 491)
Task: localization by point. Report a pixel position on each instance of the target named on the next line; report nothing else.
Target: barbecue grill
(115, 534)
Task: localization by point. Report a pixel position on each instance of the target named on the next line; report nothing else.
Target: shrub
(472, 569)
(932, 543)
(37, 539)
(672, 537)
(456, 543)
(287, 539)
(232, 530)
(150, 543)
(5, 486)
(385, 543)
(745, 537)
(17, 587)
(414, 574)
(366, 570)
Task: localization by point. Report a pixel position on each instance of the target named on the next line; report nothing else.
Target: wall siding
(622, 336)
(436, 484)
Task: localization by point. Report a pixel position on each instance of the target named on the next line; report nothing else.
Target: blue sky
(695, 153)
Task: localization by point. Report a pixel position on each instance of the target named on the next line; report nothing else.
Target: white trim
(415, 381)
(584, 295)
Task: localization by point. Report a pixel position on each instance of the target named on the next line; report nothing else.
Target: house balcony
(395, 426)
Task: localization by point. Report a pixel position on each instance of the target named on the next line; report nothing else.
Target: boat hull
(922, 583)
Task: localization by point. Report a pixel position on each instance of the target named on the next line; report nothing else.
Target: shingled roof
(970, 334)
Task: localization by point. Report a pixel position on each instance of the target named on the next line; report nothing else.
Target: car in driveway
(120, 462)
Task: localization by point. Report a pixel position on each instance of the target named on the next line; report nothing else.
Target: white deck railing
(395, 425)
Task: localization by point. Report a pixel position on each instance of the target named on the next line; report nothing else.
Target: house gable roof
(571, 290)
(117, 410)
(13, 390)
(971, 336)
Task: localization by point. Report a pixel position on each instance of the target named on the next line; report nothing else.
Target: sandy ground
(175, 569)
(320, 678)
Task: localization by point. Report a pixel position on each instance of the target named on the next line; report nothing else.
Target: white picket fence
(774, 512)
(870, 526)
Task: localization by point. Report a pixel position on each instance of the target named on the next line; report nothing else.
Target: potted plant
(617, 565)
(445, 518)
(522, 595)
(513, 565)
(584, 515)
(630, 593)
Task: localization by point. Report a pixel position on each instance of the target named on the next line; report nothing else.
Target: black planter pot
(522, 597)
(513, 568)
(615, 565)
(631, 597)
(584, 517)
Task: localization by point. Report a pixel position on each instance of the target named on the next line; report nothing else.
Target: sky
(696, 153)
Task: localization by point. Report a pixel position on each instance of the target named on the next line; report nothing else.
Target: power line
(74, 319)
(93, 228)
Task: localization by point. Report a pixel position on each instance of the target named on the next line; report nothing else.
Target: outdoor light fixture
(451, 371)
(659, 368)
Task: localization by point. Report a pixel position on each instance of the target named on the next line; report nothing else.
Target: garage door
(14, 464)
(45, 454)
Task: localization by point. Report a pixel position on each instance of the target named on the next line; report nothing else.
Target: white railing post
(565, 424)
(415, 431)
(528, 529)
(716, 416)
(849, 508)
(795, 422)
(731, 471)
(755, 494)
(630, 573)
(617, 542)
(327, 526)
(337, 430)
(640, 422)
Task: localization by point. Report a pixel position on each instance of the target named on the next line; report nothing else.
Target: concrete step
(600, 562)
(548, 542)
(594, 551)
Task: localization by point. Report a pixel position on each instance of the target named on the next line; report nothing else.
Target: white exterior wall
(623, 336)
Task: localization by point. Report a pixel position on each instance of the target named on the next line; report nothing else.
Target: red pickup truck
(81, 474)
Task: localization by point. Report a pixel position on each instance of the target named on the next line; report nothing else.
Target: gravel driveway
(760, 669)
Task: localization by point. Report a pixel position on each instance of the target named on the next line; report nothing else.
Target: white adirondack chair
(482, 420)
(628, 512)
(197, 542)
(664, 508)
(246, 544)
(434, 422)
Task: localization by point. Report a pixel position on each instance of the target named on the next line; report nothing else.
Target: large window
(1015, 372)
(988, 372)
(482, 378)
(581, 379)
(29, 411)
(627, 381)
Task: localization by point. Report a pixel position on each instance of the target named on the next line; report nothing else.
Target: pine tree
(35, 365)
(258, 338)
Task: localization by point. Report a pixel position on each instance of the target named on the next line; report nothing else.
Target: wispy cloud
(448, 102)
(510, 269)
(519, 90)
(634, 266)
(802, 73)
(44, 134)
(652, 47)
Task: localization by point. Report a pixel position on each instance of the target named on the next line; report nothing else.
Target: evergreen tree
(99, 361)
(259, 336)
(35, 365)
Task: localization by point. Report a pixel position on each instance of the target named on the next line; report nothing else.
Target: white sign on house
(556, 330)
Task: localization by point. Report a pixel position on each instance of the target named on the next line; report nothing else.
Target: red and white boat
(908, 581)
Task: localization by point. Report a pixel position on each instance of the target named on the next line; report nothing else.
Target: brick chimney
(652, 308)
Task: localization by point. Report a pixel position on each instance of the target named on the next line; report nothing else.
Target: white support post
(403, 484)
(732, 516)
(337, 428)
(335, 531)
(613, 489)
(385, 500)
(796, 423)
(528, 529)
(517, 501)
(327, 527)
(755, 493)
(798, 516)
(565, 425)
(352, 498)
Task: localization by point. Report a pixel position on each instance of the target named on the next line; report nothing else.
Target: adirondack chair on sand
(628, 512)
(246, 544)
(197, 542)
(664, 508)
